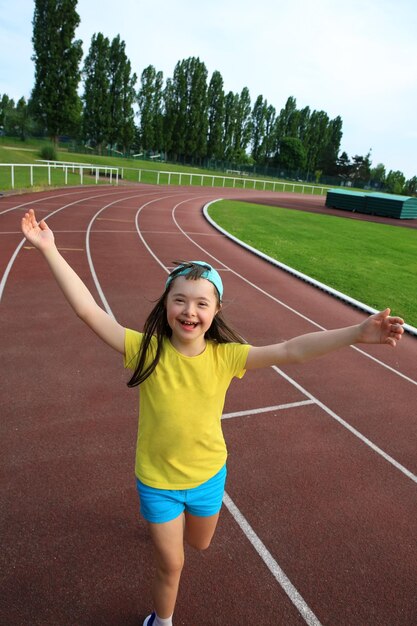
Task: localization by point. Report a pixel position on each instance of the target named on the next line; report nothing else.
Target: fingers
(26, 223)
(396, 332)
(29, 221)
(396, 320)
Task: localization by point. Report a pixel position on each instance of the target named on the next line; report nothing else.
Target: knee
(172, 567)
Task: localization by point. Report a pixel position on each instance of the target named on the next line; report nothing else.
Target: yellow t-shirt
(180, 441)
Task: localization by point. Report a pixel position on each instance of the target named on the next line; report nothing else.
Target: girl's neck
(186, 348)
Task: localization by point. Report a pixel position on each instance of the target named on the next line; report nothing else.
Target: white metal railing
(220, 180)
(77, 168)
(161, 177)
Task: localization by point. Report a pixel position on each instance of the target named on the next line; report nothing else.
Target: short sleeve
(133, 340)
(242, 357)
(235, 356)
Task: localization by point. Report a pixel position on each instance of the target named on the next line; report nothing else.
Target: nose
(189, 309)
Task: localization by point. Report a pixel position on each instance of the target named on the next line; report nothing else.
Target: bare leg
(199, 531)
(168, 540)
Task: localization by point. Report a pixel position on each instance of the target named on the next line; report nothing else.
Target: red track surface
(325, 489)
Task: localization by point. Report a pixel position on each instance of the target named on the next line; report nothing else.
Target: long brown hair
(157, 326)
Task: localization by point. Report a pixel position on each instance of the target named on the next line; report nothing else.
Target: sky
(355, 59)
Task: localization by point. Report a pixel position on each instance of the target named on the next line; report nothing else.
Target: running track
(319, 523)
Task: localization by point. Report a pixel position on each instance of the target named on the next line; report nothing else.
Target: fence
(53, 172)
(160, 177)
(63, 173)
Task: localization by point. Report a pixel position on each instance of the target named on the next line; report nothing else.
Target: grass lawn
(373, 263)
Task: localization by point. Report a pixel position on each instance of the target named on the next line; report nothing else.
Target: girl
(184, 362)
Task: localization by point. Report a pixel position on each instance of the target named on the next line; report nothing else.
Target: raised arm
(77, 294)
(377, 328)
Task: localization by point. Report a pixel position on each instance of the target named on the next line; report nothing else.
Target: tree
(109, 94)
(267, 146)
(197, 121)
(178, 113)
(259, 113)
(287, 120)
(96, 114)
(361, 167)
(327, 158)
(303, 122)
(243, 126)
(127, 128)
(57, 56)
(395, 182)
(146, 95)
(18, 120)
(292, 155)
(344, 166)
(410, 188)
(230, 109)
(316, 139)
(158, 111)
(150, 99)
(377, 175)
(121, 96)
(216, 114)
(170, 114)
(6, 105)
(187, 106)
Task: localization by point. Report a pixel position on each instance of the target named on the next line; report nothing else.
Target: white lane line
(9, 267)
(267, 409)
(170, 232)
(111, 219)
(278, 573)
(388, 367)
(346, 425)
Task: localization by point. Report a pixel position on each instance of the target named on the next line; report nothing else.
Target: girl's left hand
(381, 328)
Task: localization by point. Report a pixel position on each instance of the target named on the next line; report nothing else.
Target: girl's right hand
(37, 233)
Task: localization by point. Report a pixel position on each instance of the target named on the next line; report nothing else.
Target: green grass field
(373, 263)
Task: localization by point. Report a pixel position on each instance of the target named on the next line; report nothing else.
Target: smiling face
(191, 306)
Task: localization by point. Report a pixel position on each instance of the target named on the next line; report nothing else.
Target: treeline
(188, 117)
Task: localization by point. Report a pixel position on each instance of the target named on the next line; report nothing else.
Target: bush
(48, 153)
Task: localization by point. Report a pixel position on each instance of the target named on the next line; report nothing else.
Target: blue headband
(209, 274)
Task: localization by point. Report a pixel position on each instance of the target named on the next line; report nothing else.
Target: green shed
(384, 204)
(403, 207)
(347, 200)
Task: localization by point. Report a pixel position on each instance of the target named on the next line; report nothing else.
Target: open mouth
(188, 324)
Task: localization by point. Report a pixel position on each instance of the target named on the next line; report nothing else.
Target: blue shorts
(163, 505)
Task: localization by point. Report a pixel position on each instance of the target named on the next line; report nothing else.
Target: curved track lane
(320, 519)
